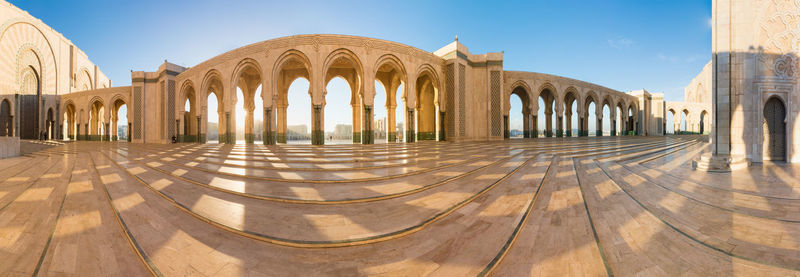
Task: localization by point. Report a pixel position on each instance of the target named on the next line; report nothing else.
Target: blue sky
(624, 45)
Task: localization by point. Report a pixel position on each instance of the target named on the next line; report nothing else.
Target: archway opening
(389, 110)
(591, 127)
(190, 118)
(97, 124)
(516, 118)
(240, 114)
(619, 118)
(298, 113)
(684, 127)
(212, 122)
(341, 118)
(669, 123)
(427, 110)
(774, 130)
(120, 125)
(703, 122)
(69, 123)
(571, 114)
(248, 105)
(631, 129)
(605, 126)
(546, 117)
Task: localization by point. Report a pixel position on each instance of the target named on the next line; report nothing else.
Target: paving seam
(135, 246)
(55, 222)
(520, 225)
(649, 211)
(650, 180)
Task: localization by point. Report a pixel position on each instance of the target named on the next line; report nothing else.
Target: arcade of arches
(447, 164)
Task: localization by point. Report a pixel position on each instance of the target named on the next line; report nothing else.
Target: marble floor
(523, 207)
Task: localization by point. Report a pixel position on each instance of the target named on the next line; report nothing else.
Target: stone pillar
(317, 125)
(357, 121)
(367, 135)
(281, 132)
(613, 126)
(568, 122)
(391, 126)
(535, 132)
(548, 132)
(106, 133)
(269, 133)
(114, 122)
(599, 125)
(198, 138)
(230, 133)
(249, 136)
(559, 127)
(410, 125)
(526, 121)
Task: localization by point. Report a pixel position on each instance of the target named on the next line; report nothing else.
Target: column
(269, 134)
(198, 137)
(568, 122)
(410, 125)
(526, 121)
(317, 126)
(357, 121)
(560, 128)
(391, 126)
(281, 132)
(249, 137)
(548, 123)
(535, 132)
(367, 135)
(599, 125)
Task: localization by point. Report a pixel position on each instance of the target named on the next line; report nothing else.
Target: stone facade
(40, 65)
(755, 61)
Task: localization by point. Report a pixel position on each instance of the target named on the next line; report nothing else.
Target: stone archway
(290, 66)
(344, 64)
(427, 108)
(774, 129)
(70, 123)
(522, 94)
(98, 128)
(391, 74)
(547, 96)
(570, 107)
(247, 83)
(29, 104)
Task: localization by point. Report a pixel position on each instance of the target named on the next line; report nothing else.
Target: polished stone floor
(540, 207)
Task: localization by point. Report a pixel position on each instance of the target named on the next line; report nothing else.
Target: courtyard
(577, 206)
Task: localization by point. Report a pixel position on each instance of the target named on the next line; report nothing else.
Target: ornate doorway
(29, 105)
(774, 129)
(6, 127)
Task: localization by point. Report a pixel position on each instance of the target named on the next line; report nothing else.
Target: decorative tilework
(137, 112)
(450, 101)
(495, 92)
(462, 113)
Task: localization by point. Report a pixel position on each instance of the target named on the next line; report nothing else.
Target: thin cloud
(621, 43)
